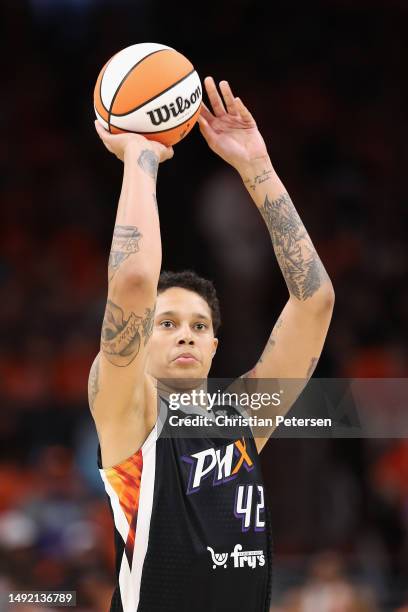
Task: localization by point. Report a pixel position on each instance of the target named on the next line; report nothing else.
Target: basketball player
(191, 526)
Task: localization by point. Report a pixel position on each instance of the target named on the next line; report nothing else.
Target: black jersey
(191, 525)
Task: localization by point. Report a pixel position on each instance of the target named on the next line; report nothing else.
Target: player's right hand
(118, 144)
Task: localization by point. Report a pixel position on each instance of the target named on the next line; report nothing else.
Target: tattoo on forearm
(312, 367)
(259, 179)
(149, 162)
(93, 384)
(121, 337)
(297, 258)
(125, 242)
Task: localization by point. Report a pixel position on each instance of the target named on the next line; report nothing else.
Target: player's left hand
(230, 130)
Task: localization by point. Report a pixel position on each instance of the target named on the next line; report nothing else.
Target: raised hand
(119, 143)
(230, 130)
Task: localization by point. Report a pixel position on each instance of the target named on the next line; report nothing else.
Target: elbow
(325, 298)
(321, 303)
(329, 296)
(135, 279)
(330, 289)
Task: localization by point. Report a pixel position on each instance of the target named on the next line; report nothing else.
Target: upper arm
(117, 377)
(293, 350)
(296, 342)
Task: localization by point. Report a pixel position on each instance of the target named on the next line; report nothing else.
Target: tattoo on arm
(149, 162)
(121, 337)
(271, 340)
(259, 179)
(312, 367)
(147, 324)
(297, 258)
(93, 384)
(125, 242)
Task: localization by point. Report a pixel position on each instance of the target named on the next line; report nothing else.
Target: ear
(215, 347)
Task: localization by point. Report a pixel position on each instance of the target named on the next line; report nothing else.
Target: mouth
(186, 358)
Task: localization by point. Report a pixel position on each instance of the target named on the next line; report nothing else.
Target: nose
(186, 336)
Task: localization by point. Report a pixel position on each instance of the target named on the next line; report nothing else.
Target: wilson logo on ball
(149, 89)
(165, 112)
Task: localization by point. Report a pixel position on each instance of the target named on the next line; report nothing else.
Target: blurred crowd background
(327, 84)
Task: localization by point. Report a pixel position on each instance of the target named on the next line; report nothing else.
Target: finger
(168, 154)
(98, 126)
(214, 97)
(243, 111)
(163, 153)
(206, 113)
(228, 98)
(205, 129)
(102, 133)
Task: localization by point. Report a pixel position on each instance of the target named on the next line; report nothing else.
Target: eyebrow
(172, 313)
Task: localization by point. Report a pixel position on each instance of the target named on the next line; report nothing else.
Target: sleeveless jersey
(191, 526)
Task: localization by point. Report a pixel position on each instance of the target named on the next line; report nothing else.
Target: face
(182, 344)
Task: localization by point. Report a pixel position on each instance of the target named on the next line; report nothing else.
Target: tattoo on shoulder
(121, 336)
(93, 384)
(312, 367)
(259, 179)
(297, 258)
(125, 242)
(149, 162)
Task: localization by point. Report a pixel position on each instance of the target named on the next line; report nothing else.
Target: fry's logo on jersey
(224, 462)
(242, 558)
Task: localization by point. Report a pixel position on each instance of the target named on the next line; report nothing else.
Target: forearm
(302, 269)
(136, 245)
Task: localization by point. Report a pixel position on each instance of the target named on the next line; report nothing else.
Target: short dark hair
(187, 279)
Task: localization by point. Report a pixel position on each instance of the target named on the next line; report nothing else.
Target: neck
(194, 387)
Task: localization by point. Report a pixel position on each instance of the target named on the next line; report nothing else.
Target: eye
(167, 324)
(201, 326)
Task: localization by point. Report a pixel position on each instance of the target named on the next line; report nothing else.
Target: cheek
(208, 349)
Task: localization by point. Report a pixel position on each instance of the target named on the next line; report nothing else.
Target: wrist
(248, 170)
(132, 152)
(258, 174)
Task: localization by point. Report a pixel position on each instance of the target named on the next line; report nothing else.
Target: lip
(185, 358)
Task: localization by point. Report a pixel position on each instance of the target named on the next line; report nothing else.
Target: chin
(182, 377)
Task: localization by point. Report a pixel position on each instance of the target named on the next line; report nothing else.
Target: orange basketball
(149, 89)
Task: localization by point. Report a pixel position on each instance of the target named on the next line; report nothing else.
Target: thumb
(102, 132)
